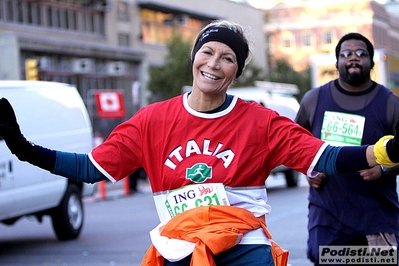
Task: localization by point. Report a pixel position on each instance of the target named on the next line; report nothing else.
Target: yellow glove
(380, 152)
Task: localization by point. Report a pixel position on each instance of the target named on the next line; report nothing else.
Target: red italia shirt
(178, 146)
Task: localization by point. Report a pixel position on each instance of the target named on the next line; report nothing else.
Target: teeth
(209, 75)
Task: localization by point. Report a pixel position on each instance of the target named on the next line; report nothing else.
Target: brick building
(298, 29)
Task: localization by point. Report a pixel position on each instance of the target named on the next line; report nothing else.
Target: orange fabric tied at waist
(214, 229)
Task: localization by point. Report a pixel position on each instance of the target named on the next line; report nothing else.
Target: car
(279, 97)
(52, 115)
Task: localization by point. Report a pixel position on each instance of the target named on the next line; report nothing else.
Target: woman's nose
(214, 63)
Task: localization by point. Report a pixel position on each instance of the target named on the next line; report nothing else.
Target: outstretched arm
(75, 166)
(386, 150)
(337, 160)
(18, 144)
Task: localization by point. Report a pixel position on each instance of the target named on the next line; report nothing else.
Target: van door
(6, 180)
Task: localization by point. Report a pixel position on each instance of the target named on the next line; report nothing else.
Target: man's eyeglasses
(359, 53)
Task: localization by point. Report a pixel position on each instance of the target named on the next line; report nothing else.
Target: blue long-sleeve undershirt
(337, 160)
(334, 160)
(77, 166)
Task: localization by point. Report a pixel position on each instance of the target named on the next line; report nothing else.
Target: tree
(283, 72)
(248, 77)
(167, 81)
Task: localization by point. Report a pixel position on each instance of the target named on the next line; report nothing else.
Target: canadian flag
(110, 104)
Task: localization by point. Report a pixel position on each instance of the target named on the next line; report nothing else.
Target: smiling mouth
(209, 76)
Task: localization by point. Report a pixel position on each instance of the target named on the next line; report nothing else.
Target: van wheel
(291, 177)
(67, 218)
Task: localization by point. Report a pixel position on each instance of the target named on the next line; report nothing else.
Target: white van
(54, 116)
(279, 97)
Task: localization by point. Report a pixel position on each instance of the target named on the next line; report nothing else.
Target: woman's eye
(229, 59)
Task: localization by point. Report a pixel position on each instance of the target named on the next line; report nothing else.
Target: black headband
(228, 37)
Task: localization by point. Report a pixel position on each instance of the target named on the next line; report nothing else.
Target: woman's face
(214, 68)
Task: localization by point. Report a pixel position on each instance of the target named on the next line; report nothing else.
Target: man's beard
(357, 78)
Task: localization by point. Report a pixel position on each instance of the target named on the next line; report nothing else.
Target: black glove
(392, 146)
(10, 132)
(18, 144)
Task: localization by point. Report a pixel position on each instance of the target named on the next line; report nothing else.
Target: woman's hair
(236, 28)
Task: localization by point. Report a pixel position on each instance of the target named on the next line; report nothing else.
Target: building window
(53, 14)
(307, 40)
(327, 37)
(124, 39)
(288, 41)
(158, 27)
(122, 11)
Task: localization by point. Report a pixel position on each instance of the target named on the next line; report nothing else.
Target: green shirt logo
(199, 172)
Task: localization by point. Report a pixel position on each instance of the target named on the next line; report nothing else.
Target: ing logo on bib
(199, 172)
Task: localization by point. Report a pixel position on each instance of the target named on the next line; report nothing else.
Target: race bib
(193, 196)
(342, 129)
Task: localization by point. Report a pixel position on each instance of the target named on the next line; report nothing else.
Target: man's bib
(342, 129)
